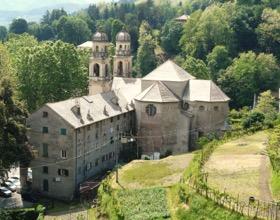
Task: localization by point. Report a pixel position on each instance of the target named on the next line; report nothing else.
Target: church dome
(100, 37)
(123, 36)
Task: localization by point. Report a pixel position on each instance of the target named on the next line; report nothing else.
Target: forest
(234, 43)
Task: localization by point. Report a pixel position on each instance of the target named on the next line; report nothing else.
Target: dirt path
(265, 193)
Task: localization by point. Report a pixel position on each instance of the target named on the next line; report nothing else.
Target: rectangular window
(124, 115)
(63, 154)
(45, 130)
(63, 131)
(103, 158)
(112, 120)
(96, 162)
(45, 114)
(79, 170)
(88, 128)
(45, 150)
(118, 117)
(45, 185)
(63, 172)
(112, 140)
(45, 169)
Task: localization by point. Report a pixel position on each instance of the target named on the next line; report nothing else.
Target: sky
(23, 5)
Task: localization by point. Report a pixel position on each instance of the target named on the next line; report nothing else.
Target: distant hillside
(33, 10)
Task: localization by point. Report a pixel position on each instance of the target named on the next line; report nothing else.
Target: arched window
(97, 49)
(201, 108)
(96, 70)
(216, 108)
(106, 70)
(120, 47)
(120, 68)
(151, 110)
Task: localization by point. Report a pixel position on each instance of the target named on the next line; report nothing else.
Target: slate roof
(169, 71)
(157, 92)
(205, 91)
(96, 107)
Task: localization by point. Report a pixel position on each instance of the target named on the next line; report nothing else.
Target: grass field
(151, 173)
(239, 167)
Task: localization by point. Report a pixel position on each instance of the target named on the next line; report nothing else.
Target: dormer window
(185, 105)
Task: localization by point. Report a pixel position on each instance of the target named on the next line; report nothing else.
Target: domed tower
(123, 58)
(99, 65)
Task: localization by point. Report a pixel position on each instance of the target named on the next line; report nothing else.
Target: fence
(252, 208)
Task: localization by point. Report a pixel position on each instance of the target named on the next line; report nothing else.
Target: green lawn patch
(275, 185)
(201, 208)
(157, 173)
(143, 204)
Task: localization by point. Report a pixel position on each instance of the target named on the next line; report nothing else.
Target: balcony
(101, 55)
(123, 52)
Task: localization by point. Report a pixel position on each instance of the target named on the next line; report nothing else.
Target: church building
(165, 111)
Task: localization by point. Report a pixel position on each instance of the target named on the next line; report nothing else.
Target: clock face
(151, 110)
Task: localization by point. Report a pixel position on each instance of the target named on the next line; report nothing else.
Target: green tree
(196, 67)
(55, 14)
(170, 37)
(269, 31)
(249, 74)
(3, 33)
(117, 26)
(19, 26)
(13, 139)
(267, 106)
(49, 72)
(73, 30)
(244, 21)
(207, 29)
(217, 61)
(146, 57)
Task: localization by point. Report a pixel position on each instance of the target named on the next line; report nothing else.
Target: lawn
(151, 173)
(239, 167)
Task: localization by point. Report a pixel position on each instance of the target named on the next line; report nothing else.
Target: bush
(22, 214)
(255, 121)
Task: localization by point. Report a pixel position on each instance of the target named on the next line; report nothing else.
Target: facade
(166, 111)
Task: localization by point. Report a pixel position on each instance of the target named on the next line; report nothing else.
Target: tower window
(120, 68)
(96, 70)
(151, 110)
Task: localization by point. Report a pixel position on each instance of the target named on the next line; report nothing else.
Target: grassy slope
(234, 166)
(145, 202)
(141, 174)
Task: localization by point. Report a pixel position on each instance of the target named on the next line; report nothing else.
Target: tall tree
(196, 67)
(19, 26)
(250, 74)
(73, 30)
(269, 31)
(49, 72)
(217, 61)
(170, 37)
(13, 139)
(3, 33)
(146, 58)
(207, 29)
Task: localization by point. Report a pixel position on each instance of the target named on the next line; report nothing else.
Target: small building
(182, 18)
(166, 111)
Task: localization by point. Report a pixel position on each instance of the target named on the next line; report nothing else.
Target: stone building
(166, 111)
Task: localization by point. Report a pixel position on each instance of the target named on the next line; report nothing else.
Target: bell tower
(99, 65)
(122, 58)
